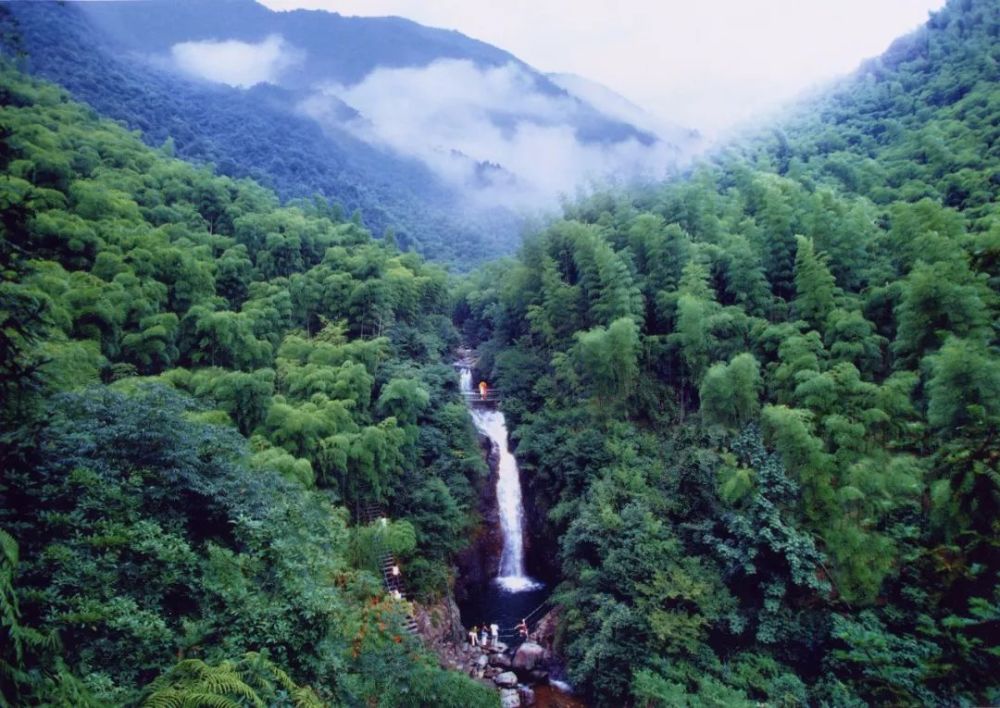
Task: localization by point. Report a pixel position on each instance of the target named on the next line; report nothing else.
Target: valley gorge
(285, 413)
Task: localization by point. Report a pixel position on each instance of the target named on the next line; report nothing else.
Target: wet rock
(527, 695)
(539, 676)
(545, 630)
(529, 655)
(508, 679)
(478, 562)
(510, 698)
(501, 660)
(482, 660)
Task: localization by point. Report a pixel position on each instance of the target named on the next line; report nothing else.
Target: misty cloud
(491, 131)
(709, 65)
(236, 63)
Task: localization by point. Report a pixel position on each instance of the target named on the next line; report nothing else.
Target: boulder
(501, 660)
(527, 696)
(508, 679)
(481, 661)
(529, 655)
(538, 675)
(545, 630)
(499, 647)
(510, 698)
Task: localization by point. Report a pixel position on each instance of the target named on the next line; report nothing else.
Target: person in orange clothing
(483, 390)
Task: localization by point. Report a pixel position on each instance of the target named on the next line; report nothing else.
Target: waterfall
(491, 423)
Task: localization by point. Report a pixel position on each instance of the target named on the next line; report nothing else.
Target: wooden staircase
(370, 514)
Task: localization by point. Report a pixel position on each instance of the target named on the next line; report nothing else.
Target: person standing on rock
(482, 636)
(522, 628)
(474, 636)
(495, 634)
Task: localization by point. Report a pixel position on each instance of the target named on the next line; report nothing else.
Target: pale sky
(706, 64)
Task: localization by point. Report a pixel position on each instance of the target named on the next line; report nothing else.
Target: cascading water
(513, 597)
(511, 575)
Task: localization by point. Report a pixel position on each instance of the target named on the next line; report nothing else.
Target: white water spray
(492, 424)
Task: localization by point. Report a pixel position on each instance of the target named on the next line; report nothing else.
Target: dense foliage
(757, 411)
(199, 387)
(759, 407)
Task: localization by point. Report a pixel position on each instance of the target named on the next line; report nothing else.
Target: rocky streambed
(513, 676)
(524, 676)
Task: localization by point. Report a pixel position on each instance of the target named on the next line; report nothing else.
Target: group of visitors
(479, 637)
(485, 636)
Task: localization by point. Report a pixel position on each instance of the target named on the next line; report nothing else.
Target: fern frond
(208, 700)
(227, 683)
(166, 698)
(188, 698)
(284, 680)
(8, 548)
(305, 697)
(192, 683)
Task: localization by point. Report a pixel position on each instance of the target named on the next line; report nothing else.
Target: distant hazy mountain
(441, 137)
(612, 104)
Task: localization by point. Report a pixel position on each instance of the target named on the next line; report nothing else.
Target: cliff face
(439, 624)
(541, 546)
(477, 564)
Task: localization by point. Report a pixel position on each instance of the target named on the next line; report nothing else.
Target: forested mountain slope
(245, 133)
(199, 387)
(346, 49)
(759, 407)
(262, 94)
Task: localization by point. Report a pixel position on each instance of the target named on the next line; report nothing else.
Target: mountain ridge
(460, 202)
